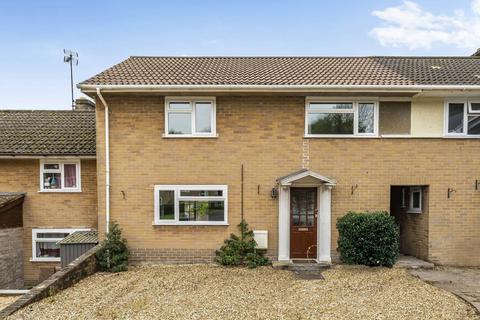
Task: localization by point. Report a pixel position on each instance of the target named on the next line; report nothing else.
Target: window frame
(36, 231)
(192, 110)
(466, 113)
(178, 197)
(413, 190)
(61, 162)
(355, 110)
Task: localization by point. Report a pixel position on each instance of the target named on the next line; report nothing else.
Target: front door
(303, 223)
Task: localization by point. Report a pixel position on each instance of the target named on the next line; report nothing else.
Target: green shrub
(370, 239)
(113, 255)
(240, 250)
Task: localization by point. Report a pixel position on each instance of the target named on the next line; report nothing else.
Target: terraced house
(187, 146)
(48, 189)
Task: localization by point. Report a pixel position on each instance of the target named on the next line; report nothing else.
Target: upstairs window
(60, 176)
(462, 118)
(190, 205)
(190, 117)
(354, 118)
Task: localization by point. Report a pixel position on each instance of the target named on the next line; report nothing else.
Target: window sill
(56, 260)
(461, 137)
(60, 191)
(336, 136)
(414, 211)
(179, 224)
(189, 136)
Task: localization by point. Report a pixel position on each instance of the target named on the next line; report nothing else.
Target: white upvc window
(45, 245)
(341, 117)
(190, 205)
(415, 201)
(190, 117)
(462, 118)
(60, 175)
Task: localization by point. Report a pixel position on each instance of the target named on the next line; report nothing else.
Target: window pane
(51, 166)
(366, 120)
(202, 211)
(201, 193)
(330, 123)
(180, 106)
(52, 235)
(70, 171)
(48, 250)
(475, 106)
(167, 204)
(180, 123)
(52, 181)
(330, 105)
(455, 117)
(203, 117)
(416, 200)
(473, 125)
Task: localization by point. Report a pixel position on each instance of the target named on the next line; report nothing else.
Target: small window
(462, 118)
(45, 245)
(415, 203)
(190, 205)
(341, 118)
(60, 176)
(189, 117)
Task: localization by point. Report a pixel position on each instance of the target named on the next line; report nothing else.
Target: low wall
(11, 258)
(82, 267)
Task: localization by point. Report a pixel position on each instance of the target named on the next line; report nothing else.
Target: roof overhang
(91, 88)
(290, 179)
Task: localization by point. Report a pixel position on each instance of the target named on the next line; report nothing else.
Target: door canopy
(305, 176)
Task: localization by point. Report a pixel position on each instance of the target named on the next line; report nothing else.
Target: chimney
(83, 104)
(477, 53)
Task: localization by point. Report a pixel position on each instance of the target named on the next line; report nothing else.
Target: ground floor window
(190, 204)
(45, 245)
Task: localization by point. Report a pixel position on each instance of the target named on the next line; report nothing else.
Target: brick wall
(11, 258)
(48, 210)
(266, 135)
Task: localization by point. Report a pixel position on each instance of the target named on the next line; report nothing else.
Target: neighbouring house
(49, 158)
(187, 146)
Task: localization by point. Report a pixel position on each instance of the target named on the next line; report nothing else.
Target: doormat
(309, 275)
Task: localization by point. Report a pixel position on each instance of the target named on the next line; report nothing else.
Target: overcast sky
(34, 33)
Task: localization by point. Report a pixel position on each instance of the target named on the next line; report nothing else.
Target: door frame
(323, 222)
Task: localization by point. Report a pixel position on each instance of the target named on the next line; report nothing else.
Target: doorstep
(409, 262)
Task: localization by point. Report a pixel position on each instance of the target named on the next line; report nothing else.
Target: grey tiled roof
(80, 237)
(390, 71)
(47, 132)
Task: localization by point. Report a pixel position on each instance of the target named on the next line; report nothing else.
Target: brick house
(48, 157)
(192, 144)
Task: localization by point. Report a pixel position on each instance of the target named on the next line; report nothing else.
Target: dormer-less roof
(47, 133)
(192, 73)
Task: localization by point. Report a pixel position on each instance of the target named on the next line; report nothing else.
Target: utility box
(76, 244)
(261, 237)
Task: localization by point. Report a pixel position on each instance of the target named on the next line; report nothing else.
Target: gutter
(12, 156)
(270, 88)
(107, 162)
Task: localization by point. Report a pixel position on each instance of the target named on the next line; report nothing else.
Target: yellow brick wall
(266, 135)
(48, 210)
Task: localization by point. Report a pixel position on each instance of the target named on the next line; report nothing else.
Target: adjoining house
(48, 157)
(187, 146)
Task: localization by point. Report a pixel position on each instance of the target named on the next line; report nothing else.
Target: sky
(34, 33)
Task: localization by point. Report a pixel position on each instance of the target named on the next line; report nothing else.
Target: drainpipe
(107, 163)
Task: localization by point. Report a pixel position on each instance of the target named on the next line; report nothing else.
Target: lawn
(211, 292)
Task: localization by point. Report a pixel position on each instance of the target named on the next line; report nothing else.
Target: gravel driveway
(211, 292)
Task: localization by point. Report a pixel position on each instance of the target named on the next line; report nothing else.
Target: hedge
(370, 239)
